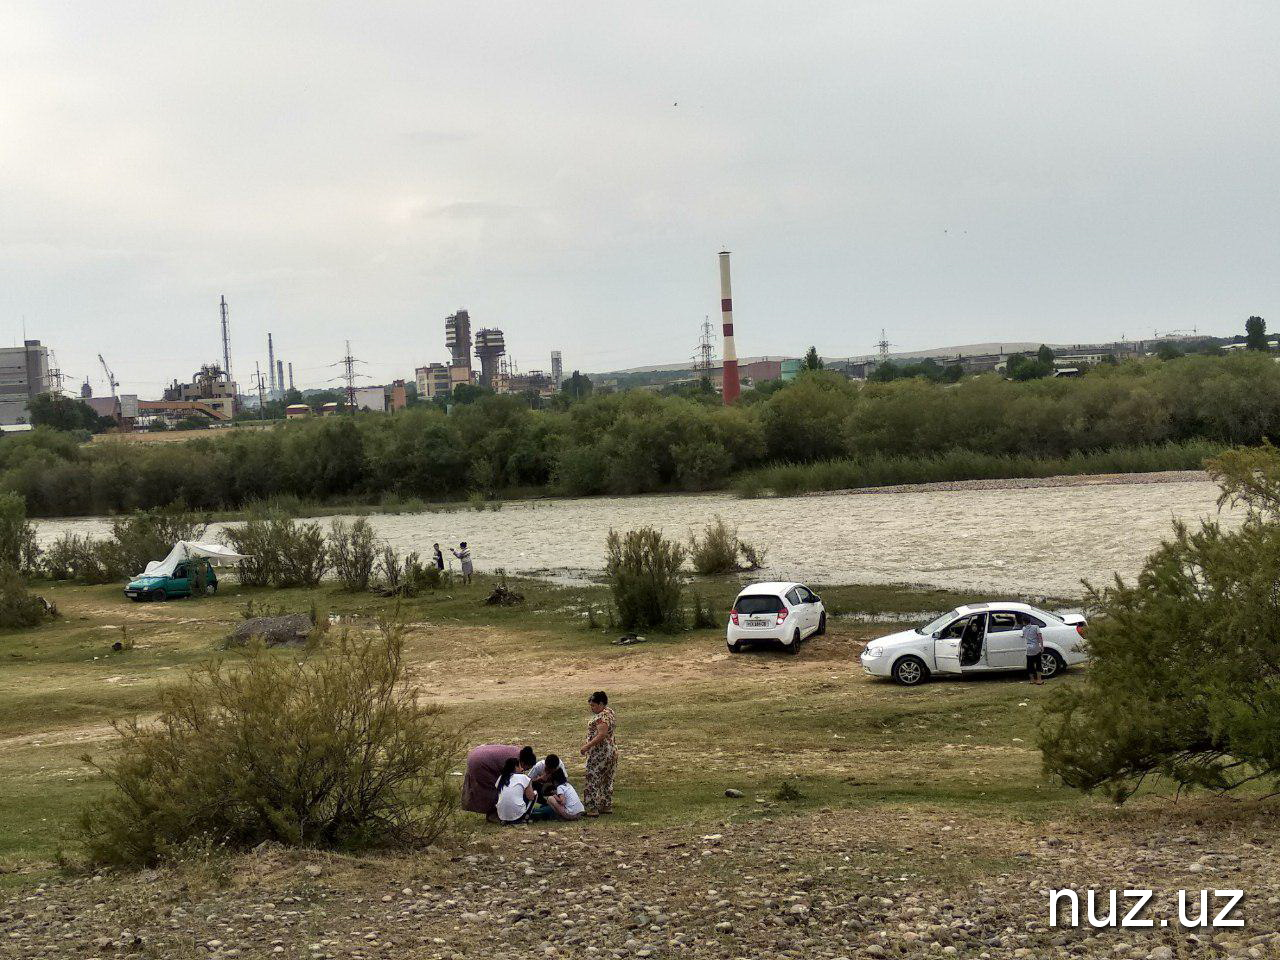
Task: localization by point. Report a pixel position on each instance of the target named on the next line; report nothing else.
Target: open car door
(946, 654)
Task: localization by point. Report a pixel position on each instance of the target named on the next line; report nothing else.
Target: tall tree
(1045, 355)
(811, 360)
(1255, 334)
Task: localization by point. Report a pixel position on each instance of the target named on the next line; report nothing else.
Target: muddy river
(1031, 540)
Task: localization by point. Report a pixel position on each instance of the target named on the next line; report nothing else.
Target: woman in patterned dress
(602, 756)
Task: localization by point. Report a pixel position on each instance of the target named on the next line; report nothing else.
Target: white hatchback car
(977, 638)
(775, 613)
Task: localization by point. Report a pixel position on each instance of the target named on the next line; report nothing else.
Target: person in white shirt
(560, 800)
(515, 793)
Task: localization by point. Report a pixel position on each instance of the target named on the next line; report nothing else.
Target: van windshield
(758, 604)
(934, 625)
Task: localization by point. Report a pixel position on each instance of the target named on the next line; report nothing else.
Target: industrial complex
(478, 359)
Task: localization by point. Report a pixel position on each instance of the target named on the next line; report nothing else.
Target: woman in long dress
(602, 756)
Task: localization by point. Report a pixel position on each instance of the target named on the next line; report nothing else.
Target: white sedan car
(976, 638)
(775, 613)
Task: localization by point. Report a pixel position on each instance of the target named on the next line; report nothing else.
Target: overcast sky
(953, 172)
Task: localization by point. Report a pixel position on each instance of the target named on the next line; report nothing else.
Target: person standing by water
(1035, 649)
(602, 756)
(464, 556)
(438, 557)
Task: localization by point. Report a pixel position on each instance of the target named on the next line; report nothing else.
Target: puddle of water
(1017, 542)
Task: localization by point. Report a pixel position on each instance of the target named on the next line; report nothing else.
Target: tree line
(638, 442)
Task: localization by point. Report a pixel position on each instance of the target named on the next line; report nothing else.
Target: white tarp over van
(185, 550)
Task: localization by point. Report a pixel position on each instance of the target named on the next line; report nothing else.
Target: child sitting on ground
(561, 801)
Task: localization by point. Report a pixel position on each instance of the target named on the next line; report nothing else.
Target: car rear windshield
(751, 605)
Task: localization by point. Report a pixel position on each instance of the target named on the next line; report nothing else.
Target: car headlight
(870, 653)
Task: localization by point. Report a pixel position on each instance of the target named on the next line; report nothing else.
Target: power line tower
(704, 359)
(257, 375)
(883, 345)
(226, 343)
(349, 375)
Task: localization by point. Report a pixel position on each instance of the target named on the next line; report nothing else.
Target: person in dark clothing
(438, 557)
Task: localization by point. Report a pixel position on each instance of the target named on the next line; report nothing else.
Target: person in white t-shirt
(560, 800)
(515, 793)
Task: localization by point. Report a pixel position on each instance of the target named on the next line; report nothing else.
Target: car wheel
(734, 647)
(158, 595)
(822, 625)
(910, 671)
(210, 589)
(794, 645)
(1051, 664)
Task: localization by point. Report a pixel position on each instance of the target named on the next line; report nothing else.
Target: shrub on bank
(18, 608)
(720, 551)
(335, 751)
(353, 551)
(281, 552)
(79, 558)
(643, 571)
(18, 548)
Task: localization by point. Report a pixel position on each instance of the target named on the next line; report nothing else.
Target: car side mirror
(937, 634)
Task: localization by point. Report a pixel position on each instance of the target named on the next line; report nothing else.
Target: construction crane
(111, 377)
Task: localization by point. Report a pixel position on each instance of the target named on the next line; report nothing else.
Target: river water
(1037, 540)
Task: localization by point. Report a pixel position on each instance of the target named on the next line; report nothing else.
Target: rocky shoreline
(829, 885)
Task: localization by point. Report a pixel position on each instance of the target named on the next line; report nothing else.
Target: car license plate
(757, 623)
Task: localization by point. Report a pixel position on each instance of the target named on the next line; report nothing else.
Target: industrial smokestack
(290, 374)
(271, 363)
(280, 375)
(731, 385)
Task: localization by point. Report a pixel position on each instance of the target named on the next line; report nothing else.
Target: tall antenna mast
(226, 343)
(257, 375)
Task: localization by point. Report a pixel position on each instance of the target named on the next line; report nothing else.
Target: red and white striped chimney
(731, 385)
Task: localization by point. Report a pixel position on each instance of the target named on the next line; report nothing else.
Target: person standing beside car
(1035, 650)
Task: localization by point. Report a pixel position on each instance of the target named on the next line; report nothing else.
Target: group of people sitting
(524, 787)
(511, 785)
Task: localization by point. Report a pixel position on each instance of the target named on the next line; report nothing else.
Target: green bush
(643, 571)
(337, 750)
(408, 577)
(18, 548)
(18, 608)
(720, 551)
(80, 558)
(1184, 682)
(716, 552)
(353, 550)
(282, 552)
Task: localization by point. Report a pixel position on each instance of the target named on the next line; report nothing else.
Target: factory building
(490, 346)
(433, 381)
(24, 375)
(209, 386)
(457, 338)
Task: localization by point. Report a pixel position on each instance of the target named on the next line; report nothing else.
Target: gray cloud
(951, 172)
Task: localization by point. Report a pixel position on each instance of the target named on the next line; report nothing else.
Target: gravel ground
(831, 884)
